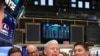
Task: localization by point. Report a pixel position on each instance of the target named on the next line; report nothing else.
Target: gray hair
(30, 46)
(50, 42)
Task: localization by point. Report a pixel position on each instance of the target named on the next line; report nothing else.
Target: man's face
(52, 50)
(33, 52)
(80, 51)
(16, 54)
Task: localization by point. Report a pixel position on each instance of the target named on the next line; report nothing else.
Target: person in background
(81, 49)
(32, 50)
(14, 51)
(41, 52)
(1, 13)
(51, 48)
(63, 54)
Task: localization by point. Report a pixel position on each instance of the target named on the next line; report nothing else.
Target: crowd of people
(51, 48)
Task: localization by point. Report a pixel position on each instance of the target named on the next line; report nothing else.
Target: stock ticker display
(55, 31)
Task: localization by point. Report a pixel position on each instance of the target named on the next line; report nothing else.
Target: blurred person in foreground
(51, 48)
(81, 49)
(1, 13)
(32, 50)
(14, 51)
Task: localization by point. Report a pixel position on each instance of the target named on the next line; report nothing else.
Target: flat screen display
(80, 4)
(56, 31)
(87, 5)
(7, 32)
